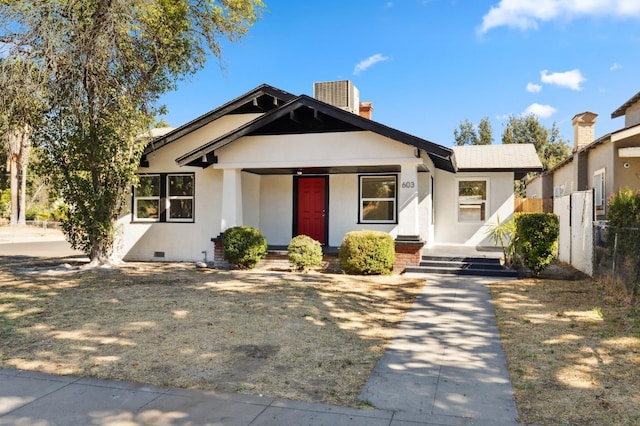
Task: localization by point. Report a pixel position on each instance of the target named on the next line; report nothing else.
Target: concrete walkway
(445, 367)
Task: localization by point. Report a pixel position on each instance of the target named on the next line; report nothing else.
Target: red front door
(311, 208)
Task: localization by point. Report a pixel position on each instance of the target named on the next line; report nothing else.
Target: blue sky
(428, 64)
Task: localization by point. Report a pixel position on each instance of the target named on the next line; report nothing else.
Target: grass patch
(313, 337)
(570, 362)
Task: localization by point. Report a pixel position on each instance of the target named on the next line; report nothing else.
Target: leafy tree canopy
(106, 64)
(466, 133)
(551, 148)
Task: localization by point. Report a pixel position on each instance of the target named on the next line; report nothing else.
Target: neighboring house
(291, 165)
(604, 164)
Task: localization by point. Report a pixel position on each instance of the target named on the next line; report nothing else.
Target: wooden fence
(533, 205)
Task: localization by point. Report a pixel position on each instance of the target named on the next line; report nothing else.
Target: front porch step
(476, 266)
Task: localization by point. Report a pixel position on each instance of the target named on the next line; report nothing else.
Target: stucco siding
(632, 115)
(166, 155)
(276, 209)
(315, 149)
(141, 241)
(251, 199)
(449, 229)
(534, 187)
(564, 178)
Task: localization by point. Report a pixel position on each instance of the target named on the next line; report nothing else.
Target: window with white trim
(599, 188)
(146, 199)
(472, 200)
(164, 197)
(180, 198)
(378, 199)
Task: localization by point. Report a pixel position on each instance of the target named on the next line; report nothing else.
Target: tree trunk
(22, 214)
(13, 176)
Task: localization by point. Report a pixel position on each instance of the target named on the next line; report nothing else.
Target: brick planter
(408, 253)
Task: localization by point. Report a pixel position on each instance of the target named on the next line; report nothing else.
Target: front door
(311, 208)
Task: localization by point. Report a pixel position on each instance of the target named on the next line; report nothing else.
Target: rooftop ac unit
(342, 94)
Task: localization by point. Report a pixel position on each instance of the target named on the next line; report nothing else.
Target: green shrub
(244, 246)
(623, 214)
(367, 253)
(5, 203)
(536, 239)
(304, 253)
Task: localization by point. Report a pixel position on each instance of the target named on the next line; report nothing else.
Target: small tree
(504, 234)
(536, 239)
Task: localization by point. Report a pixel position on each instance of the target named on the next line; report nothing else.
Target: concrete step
(467, 259)
(454, 270)
(461, 264)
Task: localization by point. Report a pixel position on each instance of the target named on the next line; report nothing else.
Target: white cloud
(615, 66)
(533, 88)
(526, 14)
(542, 111)
(569, 79)
(369, 62)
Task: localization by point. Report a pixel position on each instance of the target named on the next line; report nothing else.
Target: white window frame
(362, 200)
(600, 188)
(137, 198)
(170, 197)
(480, 203)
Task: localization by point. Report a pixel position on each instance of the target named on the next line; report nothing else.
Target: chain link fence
(616, 257)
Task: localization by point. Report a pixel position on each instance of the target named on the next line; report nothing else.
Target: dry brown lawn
(313, 337)
(573, 352)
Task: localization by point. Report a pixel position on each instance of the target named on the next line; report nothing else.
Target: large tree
(107, 63)
(551, 148)
(22, 106)
(467, 134)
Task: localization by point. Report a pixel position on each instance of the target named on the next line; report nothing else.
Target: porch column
(408, 217)
(231, 198)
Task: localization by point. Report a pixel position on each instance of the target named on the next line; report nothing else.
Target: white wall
(314, 150)
(181, 241)
(449, 229)
(276, 208)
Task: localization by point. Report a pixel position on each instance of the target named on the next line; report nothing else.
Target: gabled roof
(519, 158)
(262, 99)
(623, 108)
(304, 114)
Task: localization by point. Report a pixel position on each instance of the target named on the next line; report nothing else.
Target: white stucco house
(319, 166)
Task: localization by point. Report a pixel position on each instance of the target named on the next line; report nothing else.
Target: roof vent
(342, 94)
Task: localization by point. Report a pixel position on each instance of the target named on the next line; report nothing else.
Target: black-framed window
(164, 197)
(472, 200)
(378, 199)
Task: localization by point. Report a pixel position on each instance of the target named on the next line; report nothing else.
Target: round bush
(304, 253)
(367, 253)
(244, 246)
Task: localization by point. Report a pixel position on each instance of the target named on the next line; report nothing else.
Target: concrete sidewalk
(444, 367)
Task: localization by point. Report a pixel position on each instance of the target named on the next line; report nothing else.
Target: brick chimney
(583, 129)
(365, 110)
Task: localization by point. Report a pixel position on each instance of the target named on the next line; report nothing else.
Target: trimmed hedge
(367, 253)
(244, 246)
(537, 239)
(304, 252)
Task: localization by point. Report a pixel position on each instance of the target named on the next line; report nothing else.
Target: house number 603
(408, 184)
